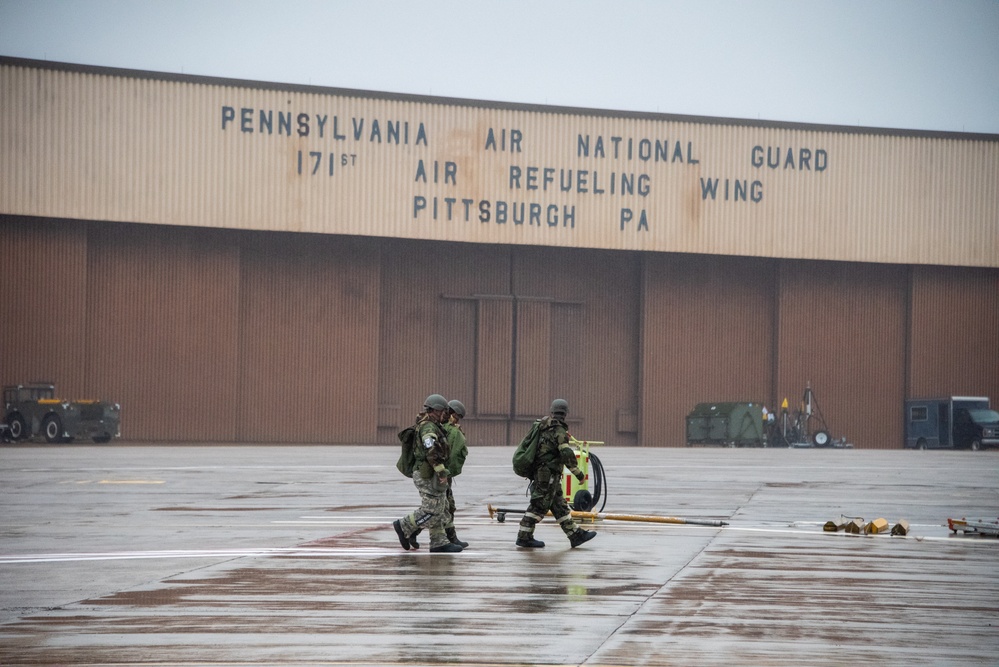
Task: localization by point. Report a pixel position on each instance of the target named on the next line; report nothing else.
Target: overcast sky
(916, 64)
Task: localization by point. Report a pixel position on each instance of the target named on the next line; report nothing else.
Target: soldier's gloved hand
(442, 474)
(579, 475)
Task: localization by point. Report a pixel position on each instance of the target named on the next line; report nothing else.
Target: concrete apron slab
(278, 555)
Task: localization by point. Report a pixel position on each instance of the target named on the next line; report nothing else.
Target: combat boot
(453, 536)
(581, 536)
(403, 540)
(527, 541)
(449, 548)
(412, 539)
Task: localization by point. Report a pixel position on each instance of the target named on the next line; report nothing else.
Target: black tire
(18, 427)
(582, 501)
(976, 445)
(921, 444)
(52, 428)
(820, 438)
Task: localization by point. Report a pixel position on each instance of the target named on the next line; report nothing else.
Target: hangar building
(237, 261)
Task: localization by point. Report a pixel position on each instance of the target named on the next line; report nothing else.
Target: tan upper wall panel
(107, 145)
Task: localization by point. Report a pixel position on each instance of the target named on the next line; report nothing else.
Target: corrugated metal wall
(308, 339)
(43, 303)
(201, 335)
(707, 336)
(335, 319)
(842, 328)
(506, 330)
(954, 333)
(215, 335)
(432, 336)
(91, 143)
(162, 328)
(592, 301)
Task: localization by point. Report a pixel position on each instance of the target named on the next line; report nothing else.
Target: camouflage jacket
(554, 450)
(431, 446)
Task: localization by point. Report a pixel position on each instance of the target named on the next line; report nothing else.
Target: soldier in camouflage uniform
(459, 452)
(431, 477)
(554, 452)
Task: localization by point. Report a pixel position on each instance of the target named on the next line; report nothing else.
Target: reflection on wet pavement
(224, 574)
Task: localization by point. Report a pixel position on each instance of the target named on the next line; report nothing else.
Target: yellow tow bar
(499, 513)
(647, 518)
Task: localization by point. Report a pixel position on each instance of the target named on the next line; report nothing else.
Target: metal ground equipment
(979, 527)
(805, 428)
(584, 496)
(727, 424)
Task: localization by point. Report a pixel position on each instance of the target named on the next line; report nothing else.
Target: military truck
(951, 422)
(33, 409)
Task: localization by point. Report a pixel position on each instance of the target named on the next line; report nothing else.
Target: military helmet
(435, 402)
(457, 407)
(560, 406)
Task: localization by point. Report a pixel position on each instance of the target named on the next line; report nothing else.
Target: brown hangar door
(506, 330)
(522, 347)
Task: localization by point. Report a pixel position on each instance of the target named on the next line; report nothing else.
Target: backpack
(527, 451)
(407, 458)
(459, 450)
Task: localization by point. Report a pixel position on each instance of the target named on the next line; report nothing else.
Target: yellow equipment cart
(584, 496)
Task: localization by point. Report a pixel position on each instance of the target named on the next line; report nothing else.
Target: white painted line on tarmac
(332, 522)
(131, 481)
(201, 553)
(114, 481)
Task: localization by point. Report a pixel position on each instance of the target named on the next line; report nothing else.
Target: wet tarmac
(256, 555)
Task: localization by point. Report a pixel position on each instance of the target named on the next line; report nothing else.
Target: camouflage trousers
(431, 514)
(546, 494)
(451, 507)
